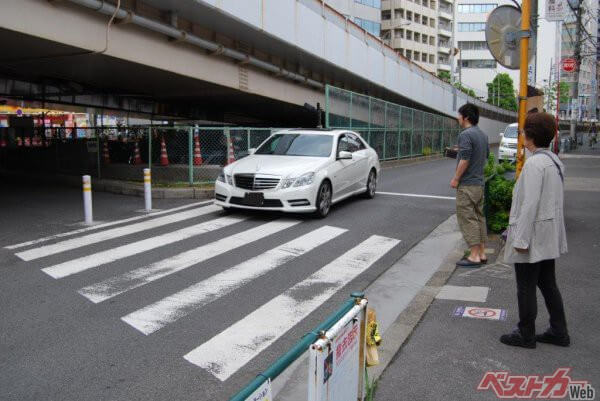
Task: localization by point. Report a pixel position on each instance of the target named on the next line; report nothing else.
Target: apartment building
(420, 30)
(365, 13)
(474, 65)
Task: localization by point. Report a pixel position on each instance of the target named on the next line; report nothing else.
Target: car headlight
(226, 178)
(303, 180)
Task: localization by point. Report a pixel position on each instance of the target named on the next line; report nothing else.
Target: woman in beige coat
(536, 235)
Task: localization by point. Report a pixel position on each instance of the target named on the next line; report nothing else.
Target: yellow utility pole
(525, 35)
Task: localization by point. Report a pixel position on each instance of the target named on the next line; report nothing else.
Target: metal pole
(98, 153)
(149, 148)
(191, 156)
(557, 49)
(575, 85)
(147, 190)
(87, 199)
(524, 59)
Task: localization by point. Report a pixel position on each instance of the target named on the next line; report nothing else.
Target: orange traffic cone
(137, 158)
(230, 154)
(27, 142)
(197, 154)
(105, 153)
(164, 158)
(19, 142)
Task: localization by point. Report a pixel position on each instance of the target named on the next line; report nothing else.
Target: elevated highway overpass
(254, 62)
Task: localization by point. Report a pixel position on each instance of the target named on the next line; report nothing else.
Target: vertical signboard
(336, 362)
(556, 10)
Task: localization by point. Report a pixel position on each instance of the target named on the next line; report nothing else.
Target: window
(409, 54)
(417, 36)
(472, 45)
(399, 33)
(424, 39)
(355, 143)
(476, 8)
(431, 41)
(478, 63)
(409, 16)
(370, 3)
(425, 21)
(374, 28)
(431, 59)
(432, 23)
(297, 145)
(409, 35)
(432, 4)
(424, 57)
(425, 3)
(417, 56)
(399, 13)
(418, 18)
(386, 15)
(471, 26)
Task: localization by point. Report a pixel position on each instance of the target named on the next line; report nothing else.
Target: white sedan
(300, 171)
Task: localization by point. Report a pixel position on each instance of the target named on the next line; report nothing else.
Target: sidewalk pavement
(446, 357)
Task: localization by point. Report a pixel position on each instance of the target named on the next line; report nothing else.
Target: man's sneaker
(515, 339)
(550, 338)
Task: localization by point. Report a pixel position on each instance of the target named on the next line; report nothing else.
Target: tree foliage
(501, 92)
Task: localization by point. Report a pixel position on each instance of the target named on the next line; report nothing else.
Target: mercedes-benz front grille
(254, 183)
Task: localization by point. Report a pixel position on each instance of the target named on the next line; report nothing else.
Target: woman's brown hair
(541, 128)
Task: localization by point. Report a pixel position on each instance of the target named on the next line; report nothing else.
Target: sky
(545, 45)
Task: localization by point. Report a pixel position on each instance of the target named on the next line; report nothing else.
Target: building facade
(586, 104)
(474, 65)
(420, 30)
(365, 13)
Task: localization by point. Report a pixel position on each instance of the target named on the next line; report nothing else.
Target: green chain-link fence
(394, 131)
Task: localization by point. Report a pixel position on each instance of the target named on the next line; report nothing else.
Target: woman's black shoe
(550, 338)
(516, 340)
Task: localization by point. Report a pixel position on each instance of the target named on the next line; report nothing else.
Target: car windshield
(297, 145)
(511, 132)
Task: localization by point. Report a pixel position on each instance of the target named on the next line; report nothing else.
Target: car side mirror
(251, 151)
(343, 155)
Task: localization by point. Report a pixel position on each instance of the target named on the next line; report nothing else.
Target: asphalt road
(191, 304)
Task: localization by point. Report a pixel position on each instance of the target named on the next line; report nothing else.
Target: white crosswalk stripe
(101, 258)
(89, 239)
(157, 315)
(136, 278)
(104, 225)
(231, 349)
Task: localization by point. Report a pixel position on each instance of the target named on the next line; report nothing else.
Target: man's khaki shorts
(469, 212)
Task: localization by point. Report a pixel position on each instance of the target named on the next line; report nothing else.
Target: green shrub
(508, 166)
(498, 221)
(499, 200)
(426, 151)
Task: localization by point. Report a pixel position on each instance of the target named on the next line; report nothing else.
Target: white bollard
(87, 199)
(147, 190)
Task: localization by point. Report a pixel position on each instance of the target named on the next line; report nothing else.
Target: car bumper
(292, 200)
(507, 154)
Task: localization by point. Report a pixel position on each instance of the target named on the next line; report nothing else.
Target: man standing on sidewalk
(468, 180)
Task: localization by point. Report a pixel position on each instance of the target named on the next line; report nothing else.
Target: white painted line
(136, 278)
(157, 315)
(77, 242)
(457, 293)
(231, 349)
(97, 259)
(417, 195)
(104, 225)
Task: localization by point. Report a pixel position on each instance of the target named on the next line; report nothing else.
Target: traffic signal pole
(524, 59)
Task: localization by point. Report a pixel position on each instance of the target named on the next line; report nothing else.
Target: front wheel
(323, 200)
(371, 185)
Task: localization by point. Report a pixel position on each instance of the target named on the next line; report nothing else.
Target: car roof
(312, 131)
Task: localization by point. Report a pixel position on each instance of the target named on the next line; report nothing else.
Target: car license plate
(254, 198)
